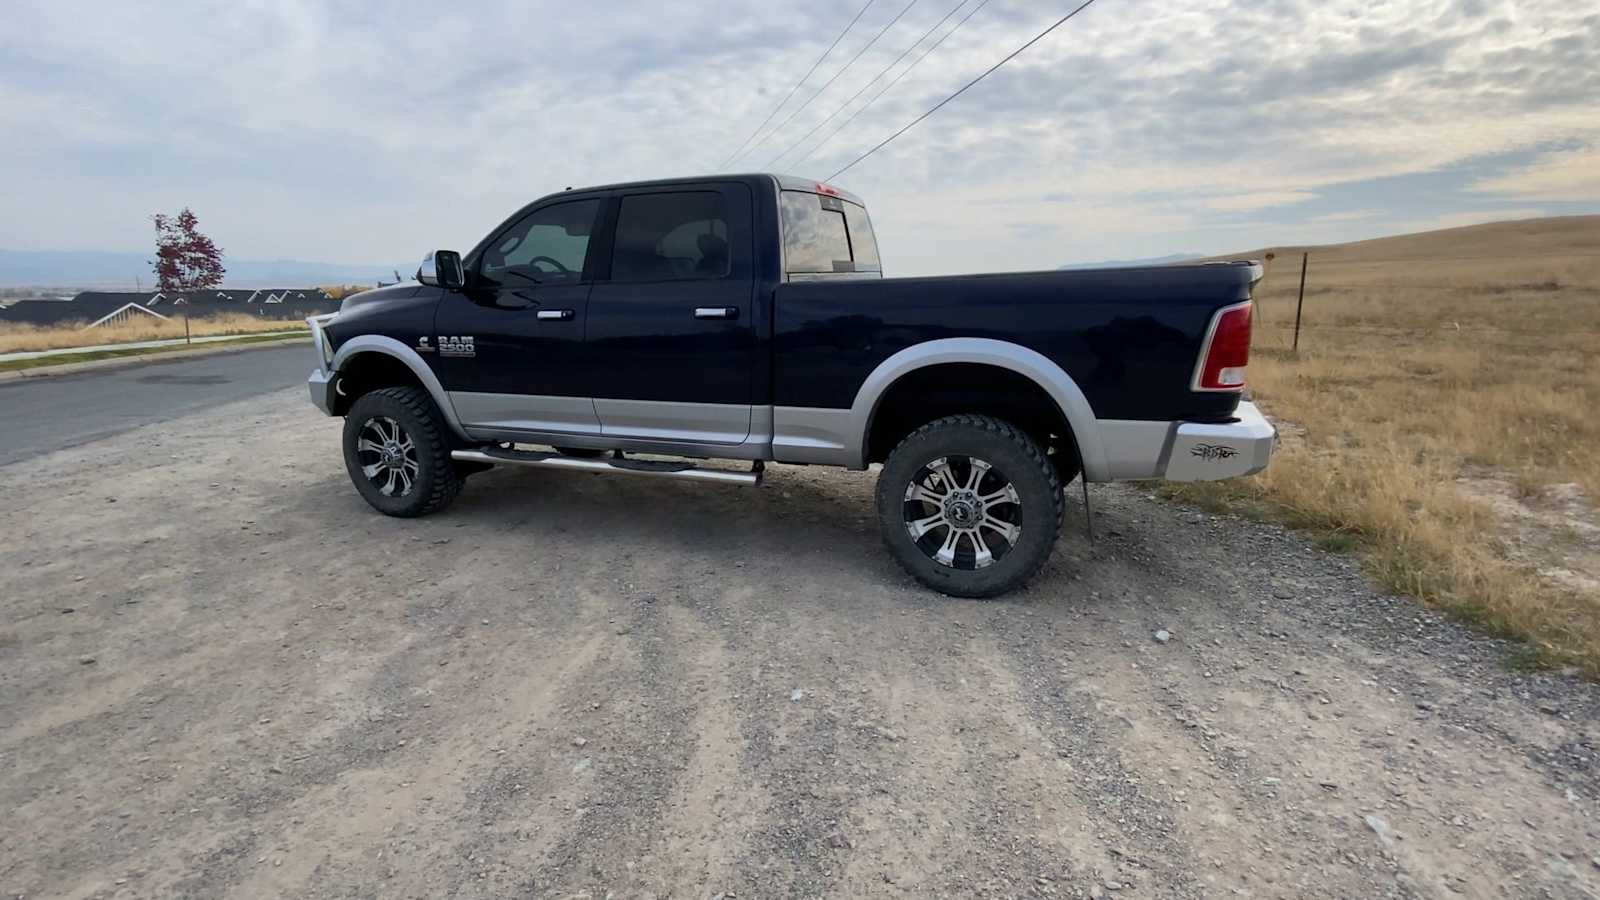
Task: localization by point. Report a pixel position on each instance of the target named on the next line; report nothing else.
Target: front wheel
(398, 454)
(969, 505)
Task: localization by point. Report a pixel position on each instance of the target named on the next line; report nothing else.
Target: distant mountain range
(1132, 263)
(98, 269)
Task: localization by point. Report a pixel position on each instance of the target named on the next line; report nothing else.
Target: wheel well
(365, 373)
(933, 392)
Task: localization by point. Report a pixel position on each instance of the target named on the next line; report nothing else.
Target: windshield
(826, 235)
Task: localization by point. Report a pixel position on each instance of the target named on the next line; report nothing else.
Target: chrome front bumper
(1204, 452)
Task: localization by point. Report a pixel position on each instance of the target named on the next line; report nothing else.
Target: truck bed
(1130, 338)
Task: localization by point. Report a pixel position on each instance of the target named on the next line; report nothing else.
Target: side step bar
(684, 470)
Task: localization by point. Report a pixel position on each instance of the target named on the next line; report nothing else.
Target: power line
(940, 105)
(892, 82)
(801, 108)
(853, 97)
(790, 95)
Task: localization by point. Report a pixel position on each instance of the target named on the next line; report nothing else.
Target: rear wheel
(969, 505)
(398, 454)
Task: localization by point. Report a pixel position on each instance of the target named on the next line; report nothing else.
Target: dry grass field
(1442, 419)
(16, 337)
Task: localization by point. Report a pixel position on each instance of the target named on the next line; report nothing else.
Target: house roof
(90, 306)
(118, 297)
(82, 308)
(253, 302)
(129, 307)
(213, 295)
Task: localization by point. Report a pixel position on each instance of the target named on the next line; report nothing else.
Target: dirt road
(222, 675)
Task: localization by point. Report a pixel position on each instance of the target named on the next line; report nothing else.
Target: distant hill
(98, 269)
(1134, 263)
(1556, 236)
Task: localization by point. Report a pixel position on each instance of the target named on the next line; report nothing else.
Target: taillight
(1226, 351)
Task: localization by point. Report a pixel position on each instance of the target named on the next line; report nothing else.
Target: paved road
(44, 414)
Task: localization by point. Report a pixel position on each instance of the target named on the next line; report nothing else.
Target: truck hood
(392, 292)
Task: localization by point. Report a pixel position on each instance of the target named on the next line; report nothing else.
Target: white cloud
(1564, 175)
(1348, 215)
(1262, 200)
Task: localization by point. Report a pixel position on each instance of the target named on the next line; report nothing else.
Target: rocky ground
(222, 675)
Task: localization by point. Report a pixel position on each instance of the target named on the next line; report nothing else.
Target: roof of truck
(785, 182)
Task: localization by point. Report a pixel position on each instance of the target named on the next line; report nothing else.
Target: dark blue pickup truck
(746, 317)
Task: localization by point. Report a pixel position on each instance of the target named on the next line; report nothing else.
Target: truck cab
(631, 313)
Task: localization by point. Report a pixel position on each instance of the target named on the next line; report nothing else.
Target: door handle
(716, 312)
(556, 315)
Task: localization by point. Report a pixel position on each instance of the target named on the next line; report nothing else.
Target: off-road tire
(437, 479)
(1017, 458)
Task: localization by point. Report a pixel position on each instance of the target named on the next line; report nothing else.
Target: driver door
(510, 344)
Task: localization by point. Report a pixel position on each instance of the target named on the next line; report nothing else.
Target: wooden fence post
(1300, 303)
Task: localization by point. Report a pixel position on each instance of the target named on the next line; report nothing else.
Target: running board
(683, 470)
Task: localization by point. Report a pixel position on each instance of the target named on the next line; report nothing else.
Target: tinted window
(814, 238)
(549, 245)
(863, 243)
(668, 237)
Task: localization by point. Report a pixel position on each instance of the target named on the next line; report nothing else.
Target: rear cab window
(671, 237)
(825, 235)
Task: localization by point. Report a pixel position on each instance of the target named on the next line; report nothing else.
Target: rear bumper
(1205, 452)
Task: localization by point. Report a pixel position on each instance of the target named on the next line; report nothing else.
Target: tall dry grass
(17, 337)
(1424, 359)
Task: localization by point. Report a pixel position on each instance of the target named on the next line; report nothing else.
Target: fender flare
(388, 346)
(1031, 364)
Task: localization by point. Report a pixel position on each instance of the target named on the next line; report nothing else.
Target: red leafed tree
(186, 260)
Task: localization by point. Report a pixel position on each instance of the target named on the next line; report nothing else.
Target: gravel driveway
(221, 674)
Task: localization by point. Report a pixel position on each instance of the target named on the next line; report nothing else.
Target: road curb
(143, 359)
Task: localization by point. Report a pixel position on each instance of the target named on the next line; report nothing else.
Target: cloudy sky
(369, 133)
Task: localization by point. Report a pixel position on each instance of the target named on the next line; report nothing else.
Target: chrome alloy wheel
(963, 512)
(388, 456)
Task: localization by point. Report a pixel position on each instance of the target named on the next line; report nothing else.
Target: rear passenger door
(670, 343)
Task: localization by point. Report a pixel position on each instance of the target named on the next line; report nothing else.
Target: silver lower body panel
(824, 437)
(1135, 450)
(695, 430)
(696, 423)
(525, 412)
(1132, 449)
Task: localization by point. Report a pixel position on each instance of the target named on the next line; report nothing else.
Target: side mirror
(442, 268)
